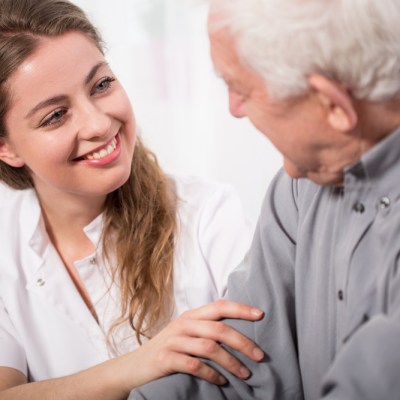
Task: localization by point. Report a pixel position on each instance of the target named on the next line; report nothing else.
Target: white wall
(159, 50)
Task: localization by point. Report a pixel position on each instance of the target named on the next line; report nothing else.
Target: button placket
(40, 282)
(384, 202)
(358, 207)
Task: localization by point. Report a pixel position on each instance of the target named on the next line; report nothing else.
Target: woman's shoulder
(12, 198)
(7, 193)
(17, 208)
(19, 213)
(204, 202)
(196, 190)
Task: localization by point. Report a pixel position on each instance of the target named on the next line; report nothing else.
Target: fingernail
(256, 312)
(244, 372)
(222, 380)
(258, 353)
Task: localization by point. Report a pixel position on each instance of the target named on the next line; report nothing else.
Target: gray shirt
(323, 266)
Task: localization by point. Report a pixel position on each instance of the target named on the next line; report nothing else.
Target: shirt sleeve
(265, 279)
(224, 235)
(368, 366)
(12, 354)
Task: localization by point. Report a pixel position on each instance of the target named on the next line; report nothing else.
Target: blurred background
(160, 52)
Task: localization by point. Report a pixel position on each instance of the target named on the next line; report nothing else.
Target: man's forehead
(223, 50)
(217, 15)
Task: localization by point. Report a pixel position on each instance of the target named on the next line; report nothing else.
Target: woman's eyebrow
(94, 70)
(60, 98)
(45, 103)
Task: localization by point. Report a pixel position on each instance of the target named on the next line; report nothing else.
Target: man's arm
(265, 279)
(367, 366)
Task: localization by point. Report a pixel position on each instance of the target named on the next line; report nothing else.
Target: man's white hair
(356, 42)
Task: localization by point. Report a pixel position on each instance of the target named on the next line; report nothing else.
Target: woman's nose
(93, 122)
(236, 105)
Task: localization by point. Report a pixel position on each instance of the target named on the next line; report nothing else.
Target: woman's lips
(103, 155)
(103, 152)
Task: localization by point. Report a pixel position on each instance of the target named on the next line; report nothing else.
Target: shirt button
(359, 207)
(40, 282)
(92, 260)
(384, 202)
(340, 295)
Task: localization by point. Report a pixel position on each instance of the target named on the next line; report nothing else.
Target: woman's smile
(103, 155)
(88, 120)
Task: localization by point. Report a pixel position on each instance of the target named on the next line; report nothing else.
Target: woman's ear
(8, 155)
(333, 96)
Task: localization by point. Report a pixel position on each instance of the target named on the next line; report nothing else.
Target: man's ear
(341, 113)
(8, 155)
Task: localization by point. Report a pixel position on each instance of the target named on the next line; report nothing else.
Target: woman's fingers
(220, 333)
(194, 366)
(224, 309)
(200, 333)
(211, 350)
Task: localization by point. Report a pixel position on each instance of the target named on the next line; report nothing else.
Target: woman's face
(70, 121)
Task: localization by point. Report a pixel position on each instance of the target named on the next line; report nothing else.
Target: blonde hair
(143, 214)
(140, 216)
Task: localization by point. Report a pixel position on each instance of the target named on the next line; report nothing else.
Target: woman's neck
(68, 211)
(65, 217)
(65, 220)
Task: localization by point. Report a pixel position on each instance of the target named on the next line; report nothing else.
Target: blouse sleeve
(12, 354)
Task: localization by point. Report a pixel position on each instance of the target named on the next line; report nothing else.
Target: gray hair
(355, 42)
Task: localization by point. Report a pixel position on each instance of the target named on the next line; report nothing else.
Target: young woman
(100, 250)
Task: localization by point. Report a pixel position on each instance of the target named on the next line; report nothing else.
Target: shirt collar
(31, 218)
(379, 166)
(33, 222)
(94, 229)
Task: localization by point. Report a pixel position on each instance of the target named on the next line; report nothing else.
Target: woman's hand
(199, 333)
(196, 333)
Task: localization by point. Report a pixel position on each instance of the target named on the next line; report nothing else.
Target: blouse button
(359, 207)
(40, 282)
(384, 202)
(92, 260)
(340, 295)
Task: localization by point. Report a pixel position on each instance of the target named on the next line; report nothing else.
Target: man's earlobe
(339, 119)
(341, 114)
(8, 156)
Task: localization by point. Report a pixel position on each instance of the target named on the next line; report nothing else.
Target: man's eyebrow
(58, 99)
(224, 76)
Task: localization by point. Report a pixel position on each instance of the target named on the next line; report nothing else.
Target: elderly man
(321, 80)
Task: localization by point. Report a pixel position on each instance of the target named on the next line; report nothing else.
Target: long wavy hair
(140, 216)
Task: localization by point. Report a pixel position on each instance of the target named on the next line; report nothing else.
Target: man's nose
(236, 105)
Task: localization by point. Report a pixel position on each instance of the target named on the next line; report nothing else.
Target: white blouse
(47, 331)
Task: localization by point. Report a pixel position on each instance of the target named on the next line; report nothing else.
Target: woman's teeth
(97, 155)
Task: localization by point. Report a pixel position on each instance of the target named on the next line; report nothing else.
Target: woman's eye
(103, 85)
(54, 117)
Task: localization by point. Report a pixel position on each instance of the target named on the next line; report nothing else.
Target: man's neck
(377, 120)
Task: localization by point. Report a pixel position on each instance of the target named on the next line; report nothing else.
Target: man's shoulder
(285, 191)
